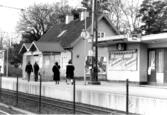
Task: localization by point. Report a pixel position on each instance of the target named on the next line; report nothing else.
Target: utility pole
(94, 31)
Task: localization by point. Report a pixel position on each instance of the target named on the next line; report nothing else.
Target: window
(101, 35)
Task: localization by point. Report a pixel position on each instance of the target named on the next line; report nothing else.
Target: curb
(17, 109)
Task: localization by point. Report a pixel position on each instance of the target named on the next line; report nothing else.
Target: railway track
(61, 104)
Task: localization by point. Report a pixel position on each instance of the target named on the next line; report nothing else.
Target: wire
(21, 9)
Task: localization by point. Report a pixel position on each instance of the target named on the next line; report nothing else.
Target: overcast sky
(9, 17)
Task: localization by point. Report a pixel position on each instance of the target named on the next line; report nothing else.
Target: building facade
(140, 59)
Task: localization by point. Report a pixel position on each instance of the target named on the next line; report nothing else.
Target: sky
(10, 17)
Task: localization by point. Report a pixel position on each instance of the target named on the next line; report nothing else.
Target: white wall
(44, 61)
(132, 75)
(64, 59)
(81, 49)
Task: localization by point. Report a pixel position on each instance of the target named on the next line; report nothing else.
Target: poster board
(102, 63)
(123, 60)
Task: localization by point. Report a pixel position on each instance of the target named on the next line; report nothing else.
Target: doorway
(151, 65)
(156, 65)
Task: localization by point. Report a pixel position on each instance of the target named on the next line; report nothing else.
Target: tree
(123, 14)
(102, 5)
(153, 15)
(14, 57)
(37, 19)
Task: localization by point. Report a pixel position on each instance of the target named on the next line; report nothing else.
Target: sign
(85, 34)
(134, 37)
(123, 60)
(90, 53)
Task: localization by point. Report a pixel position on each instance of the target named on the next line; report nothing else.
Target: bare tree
(37, 19)
(124, 15)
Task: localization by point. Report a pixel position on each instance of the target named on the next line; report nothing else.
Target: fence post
(127, 96)
(74, 95)
(40, 85)
(17, 88)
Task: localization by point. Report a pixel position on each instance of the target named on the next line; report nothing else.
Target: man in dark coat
(28, 69)
(70, 72)
(56, 72)
(36, 69)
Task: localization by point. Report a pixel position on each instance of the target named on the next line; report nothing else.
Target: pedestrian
(56, 73)
(70, 72)
(36, 69)
(28, 69)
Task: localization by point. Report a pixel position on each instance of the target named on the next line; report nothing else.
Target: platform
(147, 100)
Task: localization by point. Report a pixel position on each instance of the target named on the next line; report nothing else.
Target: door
(151, 66)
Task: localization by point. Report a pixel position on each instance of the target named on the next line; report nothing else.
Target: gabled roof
(46, 47)
(68, 34)
(25, 47)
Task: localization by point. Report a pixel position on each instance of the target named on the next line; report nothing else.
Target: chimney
(83, 15)
(68, 19)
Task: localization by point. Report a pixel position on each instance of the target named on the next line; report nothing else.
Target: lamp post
(85, 36)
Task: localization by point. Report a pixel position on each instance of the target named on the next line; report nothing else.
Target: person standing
(28, 69)
(36, 69)
(70, 72)
(56, 72)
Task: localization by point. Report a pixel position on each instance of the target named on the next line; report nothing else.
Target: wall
(45, 62)
(143, 62)
(79, 52)
(82, 48)
(64, 59)
(165, 66)
(103, 26)
(48, 62)
(122, 75)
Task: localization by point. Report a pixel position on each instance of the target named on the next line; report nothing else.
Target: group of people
(30, 69)
(55, 69)
(69, 72)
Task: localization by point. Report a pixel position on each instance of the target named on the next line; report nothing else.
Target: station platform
(143, 99)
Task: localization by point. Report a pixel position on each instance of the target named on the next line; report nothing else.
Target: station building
(69, 36)
(141, 59)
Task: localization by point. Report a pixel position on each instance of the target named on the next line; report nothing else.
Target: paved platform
(144, 99)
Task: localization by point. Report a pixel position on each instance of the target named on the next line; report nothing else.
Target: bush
(13, 71)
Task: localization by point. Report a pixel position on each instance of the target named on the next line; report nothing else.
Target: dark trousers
(36, 76)
(28, 76)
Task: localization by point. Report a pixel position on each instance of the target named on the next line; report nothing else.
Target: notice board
(123, 60)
